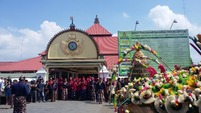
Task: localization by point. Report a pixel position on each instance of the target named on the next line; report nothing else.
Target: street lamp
(174, 21)
(136, 24)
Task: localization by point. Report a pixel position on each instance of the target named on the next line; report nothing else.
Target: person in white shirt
(1, 85)
(112, 92)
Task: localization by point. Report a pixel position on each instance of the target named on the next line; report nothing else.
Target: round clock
(72, 45)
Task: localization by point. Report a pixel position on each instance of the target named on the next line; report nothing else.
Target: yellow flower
(120, 59)
(193, 69)
(180, 86)
(139, 79)
(115, 105)
(191, 81)
(171, 91)
(157, 94)
(116, 95)
(136, 46)
(154, 52)
(170, 81)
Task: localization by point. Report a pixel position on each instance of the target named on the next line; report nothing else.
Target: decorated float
(174, 91)
(197, 43)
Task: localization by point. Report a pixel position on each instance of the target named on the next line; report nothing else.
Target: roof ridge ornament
(96, 21)
(72, 25)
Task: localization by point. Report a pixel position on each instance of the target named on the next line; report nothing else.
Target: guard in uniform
(20, 91)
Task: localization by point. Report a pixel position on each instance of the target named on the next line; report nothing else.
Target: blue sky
(26, 26)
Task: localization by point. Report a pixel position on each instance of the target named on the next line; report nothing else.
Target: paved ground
(64, 107)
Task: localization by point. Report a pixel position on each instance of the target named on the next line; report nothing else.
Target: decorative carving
(72, 46)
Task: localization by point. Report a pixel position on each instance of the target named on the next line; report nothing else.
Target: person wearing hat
(20, 91)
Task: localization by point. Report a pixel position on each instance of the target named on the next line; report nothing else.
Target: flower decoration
(170, 91)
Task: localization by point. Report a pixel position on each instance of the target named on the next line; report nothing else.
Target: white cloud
(125, 15)
(163, 17)
(17, 44)
(115, 35)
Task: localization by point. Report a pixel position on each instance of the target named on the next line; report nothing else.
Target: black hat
(22, 78)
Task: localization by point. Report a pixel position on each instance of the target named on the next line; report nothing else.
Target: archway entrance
(75, 71)
(72, 53)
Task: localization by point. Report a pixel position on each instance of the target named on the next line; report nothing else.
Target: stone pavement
(64, 107)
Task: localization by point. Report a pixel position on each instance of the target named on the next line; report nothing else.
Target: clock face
(72, 45)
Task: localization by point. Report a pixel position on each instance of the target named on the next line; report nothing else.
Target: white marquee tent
(41, 73)
(103, 73)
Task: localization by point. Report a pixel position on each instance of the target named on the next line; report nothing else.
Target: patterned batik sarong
(65, 94)
(93, 94)
(19, 104)
(100, 96)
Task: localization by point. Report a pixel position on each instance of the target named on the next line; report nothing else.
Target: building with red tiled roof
(27, 67)
(109, 49)
(106, 43)
(97, 30)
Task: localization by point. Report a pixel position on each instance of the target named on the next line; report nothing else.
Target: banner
(171, 45)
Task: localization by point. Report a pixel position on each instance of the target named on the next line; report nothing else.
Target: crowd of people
(5, 88)
(84, 88)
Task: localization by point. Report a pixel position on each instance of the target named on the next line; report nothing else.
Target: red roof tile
(5, 63)
(107, 45)
(110, 61)
(32, 64)
(98, 30)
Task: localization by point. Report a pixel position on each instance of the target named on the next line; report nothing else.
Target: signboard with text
(171, 45)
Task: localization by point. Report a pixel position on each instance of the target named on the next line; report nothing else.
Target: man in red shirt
(60, 85)
(83, 85)
(74, 89)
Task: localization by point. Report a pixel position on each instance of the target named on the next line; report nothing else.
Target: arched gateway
(72, 52)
